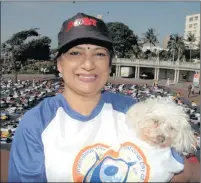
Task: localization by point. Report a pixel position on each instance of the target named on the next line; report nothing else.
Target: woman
(65, 136)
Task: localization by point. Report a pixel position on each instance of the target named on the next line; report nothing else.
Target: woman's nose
(88, 63)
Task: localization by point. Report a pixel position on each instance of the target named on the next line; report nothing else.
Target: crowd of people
(20, 97)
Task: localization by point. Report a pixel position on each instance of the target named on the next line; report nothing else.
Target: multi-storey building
(192, 26)
(165, 41)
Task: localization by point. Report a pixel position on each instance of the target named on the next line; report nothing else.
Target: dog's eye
(156, 121)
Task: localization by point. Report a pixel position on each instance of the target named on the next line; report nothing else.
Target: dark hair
(87, 41)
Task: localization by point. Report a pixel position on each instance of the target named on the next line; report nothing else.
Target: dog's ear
(185, 141)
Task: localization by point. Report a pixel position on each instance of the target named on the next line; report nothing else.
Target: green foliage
(123, 39)
(22, 46)
(176, 46)
(150, 37)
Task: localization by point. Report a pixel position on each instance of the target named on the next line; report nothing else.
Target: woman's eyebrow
(96, 48)
(78, 47)
(99, 48)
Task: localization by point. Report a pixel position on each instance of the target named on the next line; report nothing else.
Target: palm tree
(137, 47)
(191, 39)
(176, 45)
(150, 37)
(163, 55)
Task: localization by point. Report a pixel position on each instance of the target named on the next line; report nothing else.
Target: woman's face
(85, 68)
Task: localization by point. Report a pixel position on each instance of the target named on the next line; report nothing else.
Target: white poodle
(161, 125)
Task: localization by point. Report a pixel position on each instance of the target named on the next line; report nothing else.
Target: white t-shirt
(54, 143)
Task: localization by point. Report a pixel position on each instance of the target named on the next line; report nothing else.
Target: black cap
(82, 26)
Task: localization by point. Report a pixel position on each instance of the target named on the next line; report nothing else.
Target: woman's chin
(88, 87)
(88, 90)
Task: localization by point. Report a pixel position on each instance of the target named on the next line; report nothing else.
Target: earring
(60, 75)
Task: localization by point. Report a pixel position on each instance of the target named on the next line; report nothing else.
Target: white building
(152, 48)
(192, 25)
(165, 41)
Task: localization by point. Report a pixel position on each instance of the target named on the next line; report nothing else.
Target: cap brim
(78, 34)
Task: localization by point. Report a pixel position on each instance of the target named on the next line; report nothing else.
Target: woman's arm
(26, 162)
(191, 173)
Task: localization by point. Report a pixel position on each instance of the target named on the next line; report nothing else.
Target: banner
(196, 79)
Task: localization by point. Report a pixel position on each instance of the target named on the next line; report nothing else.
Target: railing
(157, 63)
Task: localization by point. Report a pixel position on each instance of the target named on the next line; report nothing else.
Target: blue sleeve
(119, 101)
(177, 156)
(26, 162)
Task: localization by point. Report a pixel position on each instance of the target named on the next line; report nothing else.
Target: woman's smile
(87, 78)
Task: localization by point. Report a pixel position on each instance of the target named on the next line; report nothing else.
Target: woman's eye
(101, 54)
(74, 53)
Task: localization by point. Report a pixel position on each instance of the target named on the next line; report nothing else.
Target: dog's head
(162, 123)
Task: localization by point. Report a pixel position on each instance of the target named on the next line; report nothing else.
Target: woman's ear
(59, 68)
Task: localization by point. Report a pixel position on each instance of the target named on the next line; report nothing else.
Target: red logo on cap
(81, 21)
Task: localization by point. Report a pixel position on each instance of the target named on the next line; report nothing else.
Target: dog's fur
(162, 123)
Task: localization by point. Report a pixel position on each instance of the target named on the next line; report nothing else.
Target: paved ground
(4, 165)
(180, 87)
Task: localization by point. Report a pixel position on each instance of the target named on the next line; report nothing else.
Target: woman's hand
(191, 173)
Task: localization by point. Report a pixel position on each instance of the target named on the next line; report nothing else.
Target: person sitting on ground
(178, 94)
(154, 83)
(179, 101)
(145, 86)
(193, 104)
(174, 97)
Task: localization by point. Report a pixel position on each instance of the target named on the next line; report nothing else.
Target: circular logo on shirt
(99, 163)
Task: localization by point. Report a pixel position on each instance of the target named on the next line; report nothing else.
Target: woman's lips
(87, 77)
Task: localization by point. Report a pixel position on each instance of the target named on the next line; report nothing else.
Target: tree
(14, 46)
(193, 54)
(21, 46)
(191, 39)
(176, 45)
(148, 54)
(137, 47)
(37, 49)
(123, 39)
(163, 55)
(150, 37)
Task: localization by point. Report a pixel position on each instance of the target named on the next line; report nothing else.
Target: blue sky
(165, 17)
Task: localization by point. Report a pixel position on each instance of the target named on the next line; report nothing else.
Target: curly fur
(162, 123)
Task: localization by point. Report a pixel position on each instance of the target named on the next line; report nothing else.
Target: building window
(195, 25)
(190, 25)
(191, 19)
(196, 18)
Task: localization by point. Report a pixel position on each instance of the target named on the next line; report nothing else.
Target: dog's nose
(160, 138)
